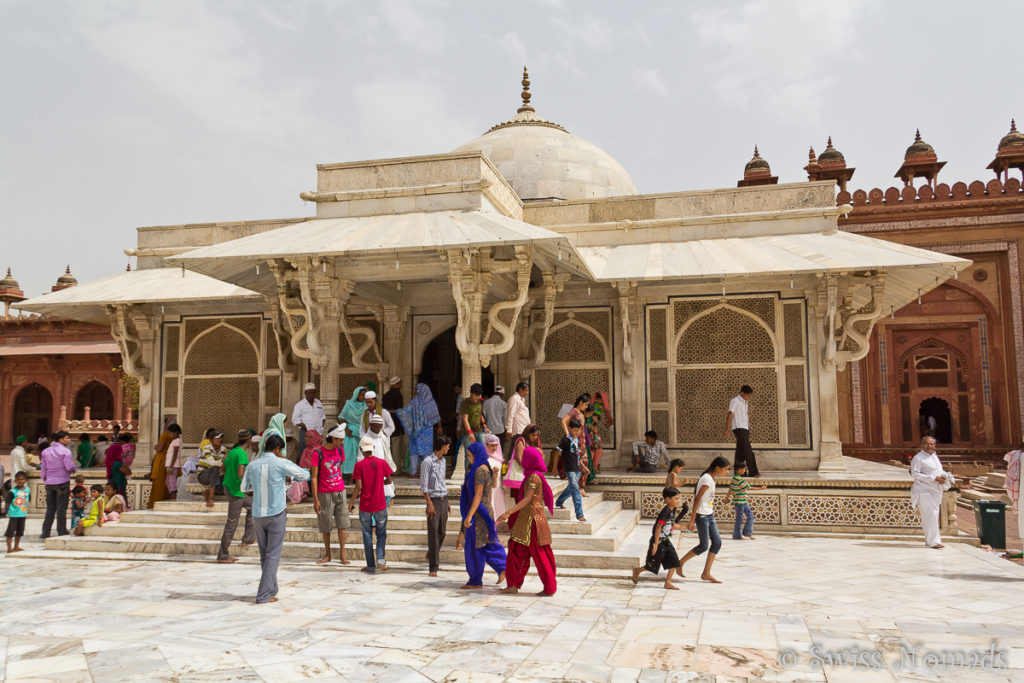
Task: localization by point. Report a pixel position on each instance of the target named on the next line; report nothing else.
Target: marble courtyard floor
(782, 599)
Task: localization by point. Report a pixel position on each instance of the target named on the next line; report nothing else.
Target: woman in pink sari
(515, 477)
(298, 490)
(531, 534)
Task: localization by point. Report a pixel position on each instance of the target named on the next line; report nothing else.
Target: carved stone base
(831, 457)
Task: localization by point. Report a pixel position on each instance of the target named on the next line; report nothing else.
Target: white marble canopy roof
(366, 248)
(175, 289)
(909, 270)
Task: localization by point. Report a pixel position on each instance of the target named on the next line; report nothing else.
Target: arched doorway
(98, 398)
(936, 419)
(441, 370)
(33, 411)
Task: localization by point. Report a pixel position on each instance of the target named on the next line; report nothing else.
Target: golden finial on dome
(526, 93)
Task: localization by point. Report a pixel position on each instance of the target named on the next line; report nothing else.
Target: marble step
(608, 540)
(446, 573)
(415, 554)
(413, 519)
(219, 506)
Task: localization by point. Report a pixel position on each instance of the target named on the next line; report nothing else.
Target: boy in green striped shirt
(738, 488)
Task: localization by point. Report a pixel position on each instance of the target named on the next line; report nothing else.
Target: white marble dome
(542, 160)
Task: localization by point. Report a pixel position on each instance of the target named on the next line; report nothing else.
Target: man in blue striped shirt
(265, 477)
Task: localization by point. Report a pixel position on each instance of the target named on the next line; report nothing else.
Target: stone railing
(89, 426)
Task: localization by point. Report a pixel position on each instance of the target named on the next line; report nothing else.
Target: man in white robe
(377, 443)
(930, 480)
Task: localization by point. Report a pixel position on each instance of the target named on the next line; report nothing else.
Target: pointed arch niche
(700, 350)
(578, 360)
(219, 372)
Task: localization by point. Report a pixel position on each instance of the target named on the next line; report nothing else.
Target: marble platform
(119, 620)
(862, 498)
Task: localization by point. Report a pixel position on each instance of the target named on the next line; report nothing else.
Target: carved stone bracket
(629, 315)
(343, 290)
(131, 331)
(553, 285)
(469, 283)
(844, 342)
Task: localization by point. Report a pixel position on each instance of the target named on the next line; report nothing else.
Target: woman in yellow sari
(158, 472)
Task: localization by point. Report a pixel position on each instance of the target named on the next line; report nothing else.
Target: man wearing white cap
(374, 488)
(330, 501)
(495, 409)
(373, 408)
(308, 414)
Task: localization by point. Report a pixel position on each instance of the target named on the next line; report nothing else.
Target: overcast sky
(116, 115)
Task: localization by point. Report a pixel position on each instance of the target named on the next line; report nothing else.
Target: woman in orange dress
(158, 472)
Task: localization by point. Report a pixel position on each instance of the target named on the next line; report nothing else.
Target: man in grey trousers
(435, 491)
(265, 477)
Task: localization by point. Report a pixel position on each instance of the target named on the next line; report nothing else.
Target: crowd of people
(505, 488)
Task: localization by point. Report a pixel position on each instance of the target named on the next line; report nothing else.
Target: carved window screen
(578, 360)
(717, 345)
(225, 381)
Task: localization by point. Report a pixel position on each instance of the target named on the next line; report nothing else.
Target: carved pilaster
(629, 315)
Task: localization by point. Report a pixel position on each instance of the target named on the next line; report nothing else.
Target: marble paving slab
(784, 603)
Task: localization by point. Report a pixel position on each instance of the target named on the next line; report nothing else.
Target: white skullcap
(394, 380)
(338, 432)
(376, 419)
(308, 386)
(498, 389)
(370, 394)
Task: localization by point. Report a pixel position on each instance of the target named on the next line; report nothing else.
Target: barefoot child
(17, 511)
(661, 552)
(675, 470)
(738, 488)
(531, 535)
(703, 517)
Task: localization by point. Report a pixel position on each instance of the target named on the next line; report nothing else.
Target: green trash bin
(990, 517)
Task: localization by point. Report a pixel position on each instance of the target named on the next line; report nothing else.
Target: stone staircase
(191, 530)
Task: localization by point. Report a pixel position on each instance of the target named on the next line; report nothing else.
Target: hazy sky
(116, 115)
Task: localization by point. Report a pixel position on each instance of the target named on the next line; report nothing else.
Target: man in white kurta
(373, 408)
(926, 492)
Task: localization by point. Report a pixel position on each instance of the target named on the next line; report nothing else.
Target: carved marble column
(469, 274)
(329, 332)
(136, 334)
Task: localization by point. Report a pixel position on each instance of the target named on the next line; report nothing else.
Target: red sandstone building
(53, 369)
(953, 362)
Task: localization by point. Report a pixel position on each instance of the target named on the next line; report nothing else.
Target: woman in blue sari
(481, 546)
(352, 414)
(420, 419)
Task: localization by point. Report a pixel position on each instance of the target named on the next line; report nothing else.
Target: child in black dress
(661, 552)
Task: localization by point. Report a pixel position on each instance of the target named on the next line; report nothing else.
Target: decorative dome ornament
(526, 115)
(542, 160)
(920, 161)
(9, 282)
(1010, 153)
(757, 172)
(831, 154)
(920, 148)
(64, 281)
(1012, 139)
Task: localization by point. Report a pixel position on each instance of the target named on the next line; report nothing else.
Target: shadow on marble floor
(1000, 578)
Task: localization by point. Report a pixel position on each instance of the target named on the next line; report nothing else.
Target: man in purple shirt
(56, 467)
